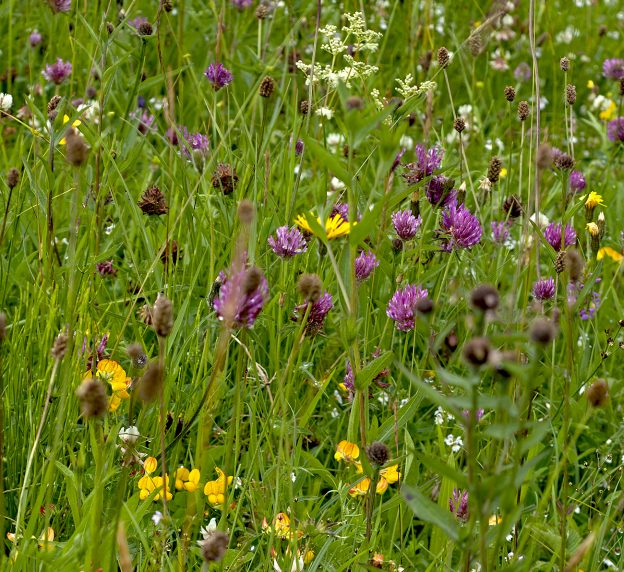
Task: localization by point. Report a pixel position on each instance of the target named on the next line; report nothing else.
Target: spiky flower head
(405, 224)
(218, 75)
(553, 235)
(439, 190)
(153, 202)
(193, 145)
(402, 306)
(544, 289)
(615, 130)
(577, 181)
(365, 263)
(57, 72)
(225, 178)
(500, 230)
(459, 228)
(613, 68)
(317, 314)
(427, 161)
(60, 6)
(287, 242)
(458, 505)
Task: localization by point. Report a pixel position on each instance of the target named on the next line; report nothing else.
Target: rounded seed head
(76, 150)
(512, 206)
(543, 331)
(253, 279)
(377, 453)
(310, 287)
(443, 57)
(162, 316)
(424, 306)
(544, 156)
(523, 110)
(564, 64)
(146, 29)
(574, 264)
(137, 355)
(570, 94)
(267, 87)
(304, 107)
(13, 177)
(459, 124)
(59, 347)
(477, 351)
(598, 393)
(213, 547)
(52, 105)
(93, 399)
(246, 211)
(150, 385)
(167, 5)
(494, 169)
(510, 93)
(484, 297)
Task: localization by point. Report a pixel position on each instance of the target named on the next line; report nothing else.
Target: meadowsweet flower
(187, 480)
(577, 181)
(500, 230)
(215, 490)
(335, 226)
(318, 311)
(148, 485)
(544, 289)
(365, 263)
(402, 306)
(427, 161)
(405, 224)
(553, 235)
(112, 373)
(242, 296)
(613, 68)
(347, 452)
(57, 72)
(459, 228)
(218, 75)
(287, 242)
(458, 505)
(610, 252)
(615, 130)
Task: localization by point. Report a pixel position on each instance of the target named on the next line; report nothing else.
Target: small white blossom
(325, 112)
(6, 101)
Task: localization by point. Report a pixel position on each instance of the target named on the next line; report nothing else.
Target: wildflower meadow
(311, 285)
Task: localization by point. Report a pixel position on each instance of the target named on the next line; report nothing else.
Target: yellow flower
(215, 490)
(347, 452)
(609, 113)
(494, 520)
(590, 84)
(150, 465)
(610, 252)
(112, 373)
(308, 556)
(335, 226)
(361, 488)
(592, 228)
(187, 480)
(503, 173)
(281, 525)
(390, 474)
(593, 200)
(148, 485)
(76, 123)
(46, 539)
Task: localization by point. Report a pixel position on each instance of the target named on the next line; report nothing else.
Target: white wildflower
(6, 101)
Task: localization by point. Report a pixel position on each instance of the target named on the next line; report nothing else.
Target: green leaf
(369, 222)
(405, 414)
(371, 370)
(425, 509)
(331, 162)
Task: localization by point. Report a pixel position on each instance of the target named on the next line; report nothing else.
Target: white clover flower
(542, 222)
(334, 140)
(157, 517)
(407, 142)
(324, 112)
(6, 101)
(337, 184)
(130, 435)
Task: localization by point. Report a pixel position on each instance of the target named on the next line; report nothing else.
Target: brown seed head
(76, 150)
(59, 347)
(225, 178)
(512, 206)
(213, 547)
(563, 161)
(377, 453)
(304, 107)
(145, 29)
(354, 102)
(570, 94)
(153, 202)
(494, 169)
(246, 211)
(484, 297)
(544, 156)
(424, 306)
(52, 105)
(262, 11)
(459, 124)
(162, 316)
(476, 351)
(443, 57)
(574, 264)
(150, 385)
(13, 177)
(523, 110)
(475, 43)
(252, 280)
(542, 331)
(267, 87)
(167, 5)
(510, 93)
(93, 399)
(598, 393)
(310, 287)
(137, 355)
(564, 64)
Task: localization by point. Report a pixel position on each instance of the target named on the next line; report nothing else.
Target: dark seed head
(443, 57)
(13, 177)
(146, 29)
(59, 347)
(510, 93)
(564, 64)
(304, 107)
(214, 546)
(150, 385)
(424, 306)
(598, 393)
(459, 124)
(310, 287)
(355, 102)
(76, 150)
(484, 297)
(137, 355)
(52, 105)
(570, 94)
(476, 351)
(92, 396)
(377, 453)
(162, 316)
(544, 156)
(225, 178)
(563, 161)
(523, 110)
(512, 206)
(267, 87)
(543, 331)
(574, 264)
(153, 202)
(494, 169)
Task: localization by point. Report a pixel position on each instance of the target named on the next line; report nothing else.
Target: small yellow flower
(593, 200)
(281, 525)
(76, 123)
(609, 113)
(503, 173)
(308, 556)
(46, 539)
(335, 226)
(494, 520)
(215, 490)
(347, 452)
(361, 488)
(592, 228)
(390, 474)
(112, 373)
(150, 464)
(148, 485)
(187, 480)
(590, 84)
(610, 252)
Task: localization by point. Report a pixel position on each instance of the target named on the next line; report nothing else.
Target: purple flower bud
(287, 242)
(194, 144)
(553, 235)
(35, 39)
(365, 263)
(106, 268)
(544, 289)
(57, 72)
(405, 224)
(218, 75)
(500, 230)
(615, 130)
(577, 181)
(458, 505)
(402, 306)
(317, 314)
(427, 161)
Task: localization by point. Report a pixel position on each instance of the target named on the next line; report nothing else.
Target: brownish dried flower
(267, 87)
(162, 316)
(310, 287)
(153, 202)
(225, 178)
(93, 399)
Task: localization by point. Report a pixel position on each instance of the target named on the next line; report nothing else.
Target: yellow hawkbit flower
(347, 452)
(593, 200)
(112, 373)
(592, 228)
(215, 490)
(610, 252)
(187, 480)
(335, 226)
(503, 173)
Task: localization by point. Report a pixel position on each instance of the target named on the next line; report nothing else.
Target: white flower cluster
(442, 416)
(455, 443)
(407, 88)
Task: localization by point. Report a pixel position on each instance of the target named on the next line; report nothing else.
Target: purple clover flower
(349, 378)
(458, 505)
(35, 39)
(591, 305)
(439, 190)
(406, 224)
(553, 235)
(60, 6)
(460, 228)
(218, 75)
(500, 230)
(365, 263)
(317, 315)
(106, 268)
(57, 72)
(287, 242)
(402, 306)
(613, 68)
(194, 144)
(523, 72)
(145, 121)
(478, 414)
(577, 181)
(427, 161)
(242, 296)
(341, 209)
(241, 4)
(544, 289)
(615, 130)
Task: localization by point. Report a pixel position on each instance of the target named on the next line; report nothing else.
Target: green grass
(266, 404)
